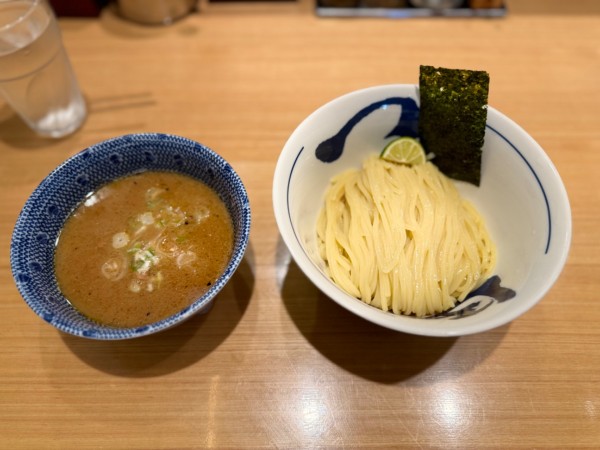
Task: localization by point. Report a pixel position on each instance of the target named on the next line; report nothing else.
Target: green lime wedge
(404, 150)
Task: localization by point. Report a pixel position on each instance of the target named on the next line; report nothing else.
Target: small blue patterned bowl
(44, 213)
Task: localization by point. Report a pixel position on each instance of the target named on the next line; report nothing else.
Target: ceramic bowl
(44, 213)
(521, 197)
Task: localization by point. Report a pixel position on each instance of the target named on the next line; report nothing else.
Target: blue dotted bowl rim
(95, 156)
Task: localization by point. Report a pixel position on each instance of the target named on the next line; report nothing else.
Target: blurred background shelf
(323, 8)
(410, 9)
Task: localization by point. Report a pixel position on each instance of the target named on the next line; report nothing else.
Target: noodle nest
(402, 239)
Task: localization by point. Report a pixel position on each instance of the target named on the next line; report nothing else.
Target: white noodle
(402, 239)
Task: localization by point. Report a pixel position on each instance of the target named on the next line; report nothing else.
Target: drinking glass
(36, 77)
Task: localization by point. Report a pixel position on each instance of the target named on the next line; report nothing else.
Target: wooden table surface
(276, 364)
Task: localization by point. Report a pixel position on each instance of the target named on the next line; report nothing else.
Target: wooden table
(276, 364)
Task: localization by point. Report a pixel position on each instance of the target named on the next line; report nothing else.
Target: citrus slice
(404, 150)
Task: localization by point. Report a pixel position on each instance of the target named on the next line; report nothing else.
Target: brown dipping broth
(142, 248)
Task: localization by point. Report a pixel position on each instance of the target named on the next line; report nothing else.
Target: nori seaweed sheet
(452, 119)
